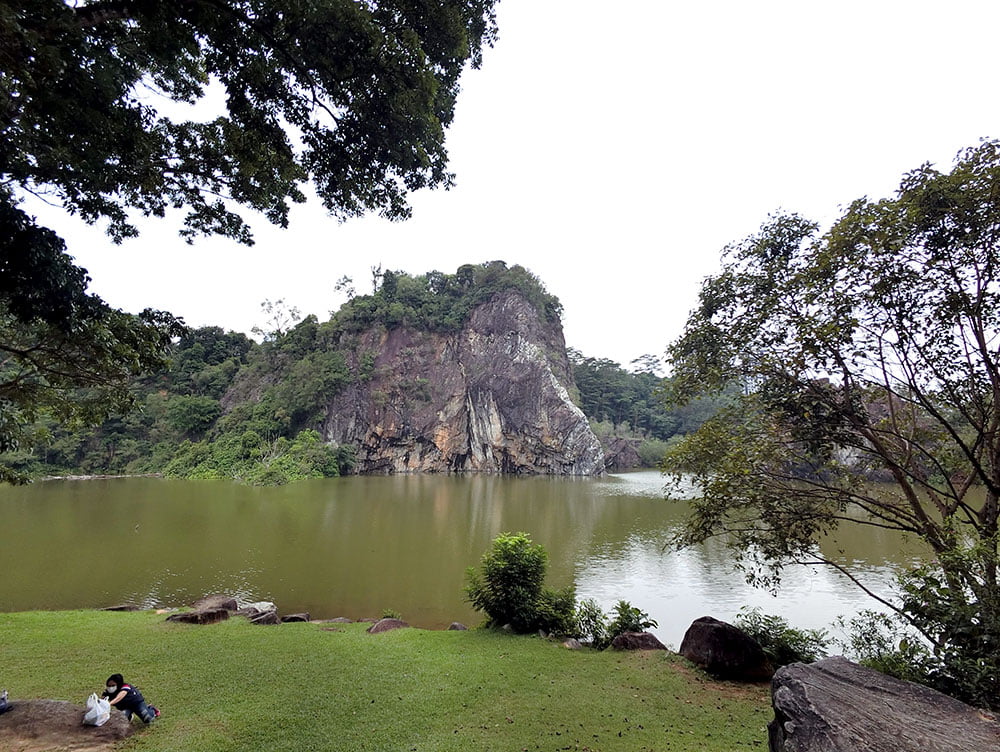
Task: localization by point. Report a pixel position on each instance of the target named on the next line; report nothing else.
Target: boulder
(637, 641)
(457, 626)
(204, 616)
(725, 651)
(385, 625)
(215, 601)
(835, 705)
(263, 612)
(294, 617)
(572, 644)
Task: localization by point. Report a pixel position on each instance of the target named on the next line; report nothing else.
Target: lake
(355, 546)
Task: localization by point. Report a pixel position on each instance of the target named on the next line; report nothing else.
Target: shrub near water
(510, 589)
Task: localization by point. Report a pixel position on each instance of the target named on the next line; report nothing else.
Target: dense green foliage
(430, 690)
(351, 97)
(869, 350)
(66, 357)
(510, 589)
(631, 404)
(783, 643)
(440, 302)
(628, 618)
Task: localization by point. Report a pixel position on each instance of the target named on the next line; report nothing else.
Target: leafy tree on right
(870, 352)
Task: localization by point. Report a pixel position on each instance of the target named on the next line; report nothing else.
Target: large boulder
(725, 651)
(835, 705)
(637, 641)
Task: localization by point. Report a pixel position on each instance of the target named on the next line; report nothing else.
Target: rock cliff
(489, 398)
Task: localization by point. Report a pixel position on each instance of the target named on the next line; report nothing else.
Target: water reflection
(355, 546)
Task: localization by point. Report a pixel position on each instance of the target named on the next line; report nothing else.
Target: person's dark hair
(118, 680)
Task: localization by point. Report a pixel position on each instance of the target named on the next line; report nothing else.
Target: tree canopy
(352, 97)
(867, 352)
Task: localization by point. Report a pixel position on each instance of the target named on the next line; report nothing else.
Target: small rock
(294, 617)
(457, 626)
(122, 607)
(572, 644)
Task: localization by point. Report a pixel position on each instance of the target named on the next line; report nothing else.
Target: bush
(509, 588)
(782, 643)
(628, 619)
(556, 610)
(592, 624)
(879, 641)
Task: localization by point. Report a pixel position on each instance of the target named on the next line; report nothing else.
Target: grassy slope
(235, 686)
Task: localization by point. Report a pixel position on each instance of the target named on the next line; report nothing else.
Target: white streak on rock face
(487, 399)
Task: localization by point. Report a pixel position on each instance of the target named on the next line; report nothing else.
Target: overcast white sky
(613, 149)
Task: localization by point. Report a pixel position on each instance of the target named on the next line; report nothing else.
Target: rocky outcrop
(491, 398)
(637, 641)
(725, 651)
(835, 705)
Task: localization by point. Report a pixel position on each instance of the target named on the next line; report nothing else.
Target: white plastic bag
(98, 711)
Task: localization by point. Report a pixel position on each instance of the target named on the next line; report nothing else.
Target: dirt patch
(56, 726)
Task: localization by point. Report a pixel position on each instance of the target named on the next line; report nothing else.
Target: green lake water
(358, 545)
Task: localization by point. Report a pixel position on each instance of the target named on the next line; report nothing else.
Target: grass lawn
(236, 686)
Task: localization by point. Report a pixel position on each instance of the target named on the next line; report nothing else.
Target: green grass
(236, 686)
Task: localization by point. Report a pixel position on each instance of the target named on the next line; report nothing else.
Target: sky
(614, 149)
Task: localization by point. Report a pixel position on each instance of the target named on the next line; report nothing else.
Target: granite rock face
(835, 705)
(490, 398)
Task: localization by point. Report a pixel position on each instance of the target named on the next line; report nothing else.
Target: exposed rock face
(491, 398)
(835, 705)
(637, 641)
(725, 651)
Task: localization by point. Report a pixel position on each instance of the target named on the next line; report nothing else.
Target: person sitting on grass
(128, 699)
